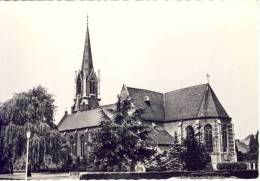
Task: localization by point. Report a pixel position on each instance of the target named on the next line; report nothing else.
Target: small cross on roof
(208, 76)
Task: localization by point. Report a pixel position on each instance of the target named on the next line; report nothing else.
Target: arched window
(224, 137)
(73, 145)
(208, 137)
(95, 87)
(189, 133)
(82, 145)
(92, 86)
(78, 87)
(72, 142)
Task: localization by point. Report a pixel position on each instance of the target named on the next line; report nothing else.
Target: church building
(183, 112)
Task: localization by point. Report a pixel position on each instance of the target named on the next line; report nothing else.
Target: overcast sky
(160, 46)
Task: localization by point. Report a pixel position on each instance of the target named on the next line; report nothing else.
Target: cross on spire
(208, 76)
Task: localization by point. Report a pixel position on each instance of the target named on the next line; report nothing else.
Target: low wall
(167, 174)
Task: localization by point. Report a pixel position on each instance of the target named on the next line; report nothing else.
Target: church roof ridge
(187, 88)
(143, 90)
(169, 91)
(100, 107)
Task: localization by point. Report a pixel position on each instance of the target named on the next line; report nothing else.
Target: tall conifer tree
(122, 139)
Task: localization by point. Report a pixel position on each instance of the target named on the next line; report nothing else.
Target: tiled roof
(152, 111)
(184, 103)
(82, 119)
(161, 137)
(188, 103)
(92, 117)
(193, 102)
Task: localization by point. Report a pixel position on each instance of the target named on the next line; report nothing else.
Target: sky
(154, 45)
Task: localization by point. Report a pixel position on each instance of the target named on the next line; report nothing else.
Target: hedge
(128, 175)
(248, 174)
(232, 166)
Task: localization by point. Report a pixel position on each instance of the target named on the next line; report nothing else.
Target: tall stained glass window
(208, 137)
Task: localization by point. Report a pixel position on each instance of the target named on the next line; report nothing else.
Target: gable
(92, 75)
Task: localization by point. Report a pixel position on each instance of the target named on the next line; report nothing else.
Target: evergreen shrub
(232, 166)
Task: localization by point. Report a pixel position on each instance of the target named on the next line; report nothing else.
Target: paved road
(38, 176)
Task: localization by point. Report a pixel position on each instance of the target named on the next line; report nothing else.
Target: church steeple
(87, 82)
(87, 63)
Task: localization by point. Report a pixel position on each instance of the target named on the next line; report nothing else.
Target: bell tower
(87, 82)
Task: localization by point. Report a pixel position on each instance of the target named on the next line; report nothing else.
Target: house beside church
(181, 112)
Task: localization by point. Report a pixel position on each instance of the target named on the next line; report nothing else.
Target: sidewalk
(38, 176)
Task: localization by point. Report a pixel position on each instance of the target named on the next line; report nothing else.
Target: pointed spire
(87, 63)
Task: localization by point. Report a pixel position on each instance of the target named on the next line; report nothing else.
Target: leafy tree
(253, 143)
(32, 110)
(122, 139)
(253, 152)
(195, 156)
(240, 155)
